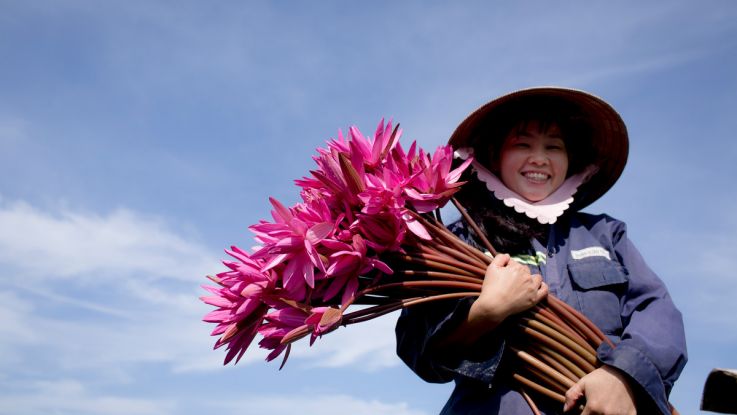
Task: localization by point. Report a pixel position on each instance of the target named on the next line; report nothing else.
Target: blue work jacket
(590, 264)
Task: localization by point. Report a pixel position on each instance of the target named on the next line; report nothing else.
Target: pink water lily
(436, 182)
(292, 240)
(371, 153)
(382, 231)
(295, 320)
(323, 320)
(381, 196)
(320, 256)
(333, 181)
(347, 263)
(279, 324)
(239, 301)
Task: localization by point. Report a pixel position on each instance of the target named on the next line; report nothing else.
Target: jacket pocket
(599, 284)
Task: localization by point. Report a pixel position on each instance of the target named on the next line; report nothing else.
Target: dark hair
(545, 110)
(508, 230)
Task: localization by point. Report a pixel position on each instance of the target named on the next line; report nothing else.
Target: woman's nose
(538, 156)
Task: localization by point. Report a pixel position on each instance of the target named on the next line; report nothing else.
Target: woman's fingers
(573, 394)
(537, 280)
(509, 288)
(500, 260)
(542, 292)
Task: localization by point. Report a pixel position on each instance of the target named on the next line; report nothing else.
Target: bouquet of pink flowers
(368, 233)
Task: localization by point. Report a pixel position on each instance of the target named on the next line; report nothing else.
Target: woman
(541, 155)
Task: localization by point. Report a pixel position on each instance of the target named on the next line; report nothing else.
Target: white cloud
(317, 404)
(68, 340)
(14, 329)
(366, 346)
(149, 271)
(68, 396)
(125, 283)
(72, 244)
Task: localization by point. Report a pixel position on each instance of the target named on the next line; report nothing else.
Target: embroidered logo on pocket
(589, 252)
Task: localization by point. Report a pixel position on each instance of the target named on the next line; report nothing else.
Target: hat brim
(609, 139)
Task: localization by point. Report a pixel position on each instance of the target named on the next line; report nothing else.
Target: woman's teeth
(536, 177)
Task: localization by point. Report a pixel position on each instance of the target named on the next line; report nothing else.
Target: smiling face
(533, 161)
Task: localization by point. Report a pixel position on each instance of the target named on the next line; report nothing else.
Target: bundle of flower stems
(554, 344)
(368, 204)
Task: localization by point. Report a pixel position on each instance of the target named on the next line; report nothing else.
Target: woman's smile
(533, 160)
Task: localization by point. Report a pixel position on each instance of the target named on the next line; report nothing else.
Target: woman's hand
(508, 289)
(607, 393)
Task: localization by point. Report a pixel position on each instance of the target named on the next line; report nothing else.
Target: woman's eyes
(550, 147)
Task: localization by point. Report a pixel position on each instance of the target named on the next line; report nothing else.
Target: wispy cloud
(368, 346)
(334, 404)
(609, 72)
(152, 272)
(65, 244)
(69, 396)
(61, 338)
(126, 283)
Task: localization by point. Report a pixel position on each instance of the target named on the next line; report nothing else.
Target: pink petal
(217, 316)
(456, 173)
(217, 301)
(381, 266)
(313, 255)
(349, 291)
(344, 262)
(283, 212)
(319, 232)
(274, 261)
(416, 227)
(309, 273)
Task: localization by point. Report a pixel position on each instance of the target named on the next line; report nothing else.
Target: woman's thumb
(573, 395)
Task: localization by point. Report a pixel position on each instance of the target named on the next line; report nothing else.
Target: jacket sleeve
(652, 350)
(420, 327)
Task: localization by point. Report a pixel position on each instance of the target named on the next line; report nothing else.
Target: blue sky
(139, 138)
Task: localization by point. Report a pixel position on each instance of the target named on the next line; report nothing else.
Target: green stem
(575, 319)
(432, 264)
(553, 360)
(458, 254)
(443, 233)
(439, 257)
(543, 367)
(425, 283)
(530, 402)
(559, 347)
(578, 371)
(544, 311)
(376, 311)
(436, 274)
(560, 337)
(474, 226)
(538, 388)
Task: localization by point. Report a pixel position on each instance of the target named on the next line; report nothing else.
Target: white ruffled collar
(545, 211)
